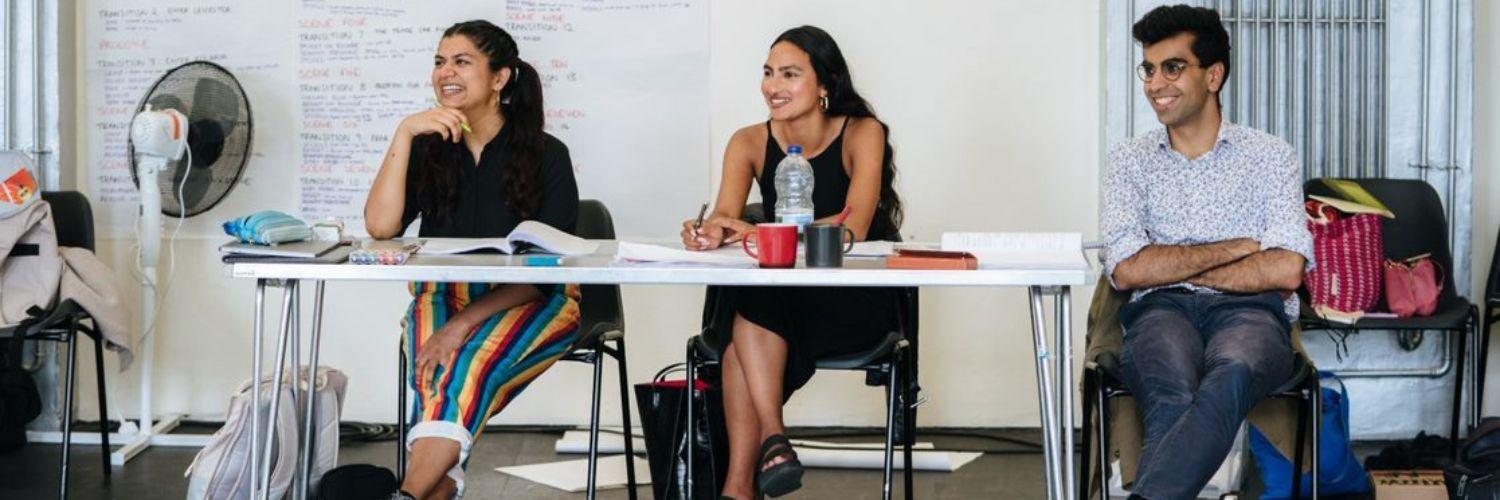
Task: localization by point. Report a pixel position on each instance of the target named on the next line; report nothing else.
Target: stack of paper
(642, 252)
(1039, 251)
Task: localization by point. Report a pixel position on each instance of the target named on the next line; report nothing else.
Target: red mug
(775, 245)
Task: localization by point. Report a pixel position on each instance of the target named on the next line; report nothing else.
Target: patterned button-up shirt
(1248, 186)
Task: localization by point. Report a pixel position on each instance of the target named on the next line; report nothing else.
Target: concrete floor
(158, 472)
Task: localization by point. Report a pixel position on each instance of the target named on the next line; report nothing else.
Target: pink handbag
(1412, 286)
(1348, 251)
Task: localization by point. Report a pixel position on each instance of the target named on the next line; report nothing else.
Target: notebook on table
(306, 249)
(527, 236)
(335, 255)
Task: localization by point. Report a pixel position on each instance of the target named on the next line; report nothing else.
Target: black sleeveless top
(830, 183)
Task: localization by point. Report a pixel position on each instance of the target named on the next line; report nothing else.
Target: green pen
(464, 126)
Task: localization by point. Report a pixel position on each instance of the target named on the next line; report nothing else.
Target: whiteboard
(625, 84)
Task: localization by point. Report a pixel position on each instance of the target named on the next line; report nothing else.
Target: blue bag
(1339, 471)
(267, 227)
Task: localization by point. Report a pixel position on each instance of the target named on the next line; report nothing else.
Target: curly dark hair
(1210, 39)
(436, 187)
(833, 73)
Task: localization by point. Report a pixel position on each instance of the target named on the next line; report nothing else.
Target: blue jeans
(1196, 364)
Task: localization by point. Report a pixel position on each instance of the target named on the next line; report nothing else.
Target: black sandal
(782, 478)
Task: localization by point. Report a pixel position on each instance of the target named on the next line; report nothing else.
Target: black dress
(816, 322)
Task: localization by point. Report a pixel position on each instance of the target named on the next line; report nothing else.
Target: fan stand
(147, 433)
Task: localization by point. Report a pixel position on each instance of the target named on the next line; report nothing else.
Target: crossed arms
(1237, 265)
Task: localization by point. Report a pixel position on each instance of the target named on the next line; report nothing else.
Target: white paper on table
(872, 249)
(1020, 250)
(572, 475)
(643, 252)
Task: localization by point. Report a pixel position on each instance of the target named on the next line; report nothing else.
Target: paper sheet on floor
(811, 453)
(573, 475)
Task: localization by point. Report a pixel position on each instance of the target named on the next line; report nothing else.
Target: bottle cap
(794, 150)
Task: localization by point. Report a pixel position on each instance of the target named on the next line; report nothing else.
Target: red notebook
(906, 258)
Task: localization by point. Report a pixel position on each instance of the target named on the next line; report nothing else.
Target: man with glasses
(1203, 222)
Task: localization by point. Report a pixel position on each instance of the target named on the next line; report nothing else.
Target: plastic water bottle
(794, 188)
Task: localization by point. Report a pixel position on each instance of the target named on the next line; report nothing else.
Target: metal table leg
(258, 334)
(295, 344)
(282, 339)
(1064, 388)
(309, 425)
(1046, 394)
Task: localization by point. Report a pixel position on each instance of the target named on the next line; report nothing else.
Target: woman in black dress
(778, 332)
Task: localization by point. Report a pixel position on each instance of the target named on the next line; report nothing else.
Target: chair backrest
(601, 305)
(1420, 226)
(73, 217)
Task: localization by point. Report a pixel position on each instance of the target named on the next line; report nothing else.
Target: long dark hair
(833, 72)
(522, 136)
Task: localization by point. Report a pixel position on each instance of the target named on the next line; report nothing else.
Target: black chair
(1420, 227)
(1101, 381)
(890, 363)
(602, 324)
(73, 219)
(1491, 300)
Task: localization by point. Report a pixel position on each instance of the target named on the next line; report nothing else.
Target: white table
(1053, 365)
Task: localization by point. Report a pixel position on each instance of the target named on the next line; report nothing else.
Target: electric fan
(189, 142)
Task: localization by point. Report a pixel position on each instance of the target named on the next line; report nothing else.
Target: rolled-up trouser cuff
(447, 430)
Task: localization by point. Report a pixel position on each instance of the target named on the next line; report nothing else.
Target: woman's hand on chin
(446, 122)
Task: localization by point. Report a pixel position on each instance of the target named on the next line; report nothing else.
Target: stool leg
(630, 483)
(67, 416)
(103, 403)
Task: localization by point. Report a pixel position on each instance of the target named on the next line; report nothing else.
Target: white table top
(600, 268)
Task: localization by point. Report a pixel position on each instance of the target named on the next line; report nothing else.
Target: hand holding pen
(712, 232)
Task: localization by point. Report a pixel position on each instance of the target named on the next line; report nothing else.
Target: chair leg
(1317, 434)
(906, 459)
(909, 396)
(890, 424)
(1484, 353)
(690, 438)
(67, 416)
(1101, 405)
(401, 412)
(1303, 411)
(630, 483)
(1087, 434)
(103, 403)
(594, 424)
(1461, 345)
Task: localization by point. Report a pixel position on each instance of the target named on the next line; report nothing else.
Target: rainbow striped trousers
(506, 353)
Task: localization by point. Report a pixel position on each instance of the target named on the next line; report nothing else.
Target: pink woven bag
(1350, 256)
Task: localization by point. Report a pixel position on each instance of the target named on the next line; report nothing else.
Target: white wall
(994, 109)
(1486, 157)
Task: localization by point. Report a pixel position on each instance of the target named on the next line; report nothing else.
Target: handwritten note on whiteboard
(328, 81)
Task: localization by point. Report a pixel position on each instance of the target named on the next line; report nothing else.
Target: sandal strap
(776, 446)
